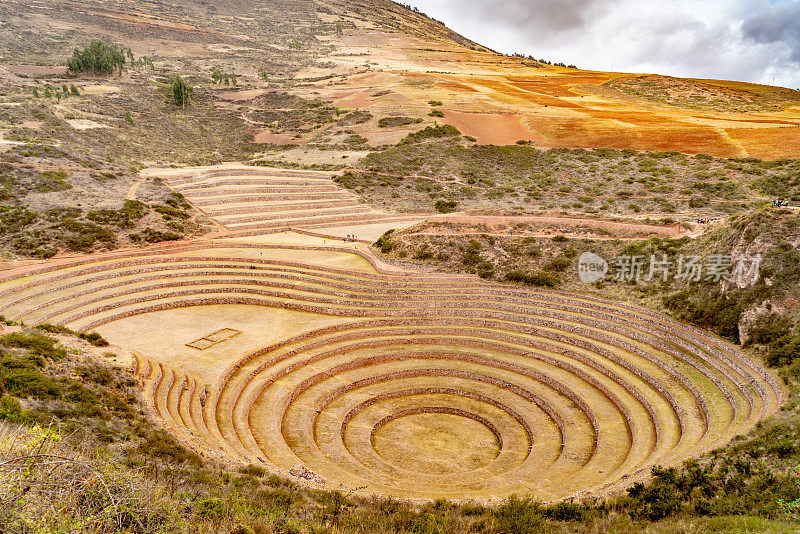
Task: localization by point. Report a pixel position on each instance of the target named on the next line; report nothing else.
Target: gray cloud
(780, 24)
(749, 40)
(548, 17)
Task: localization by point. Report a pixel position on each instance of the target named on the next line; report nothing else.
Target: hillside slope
(348, 52)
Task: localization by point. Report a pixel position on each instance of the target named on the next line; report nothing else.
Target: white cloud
(749, 40)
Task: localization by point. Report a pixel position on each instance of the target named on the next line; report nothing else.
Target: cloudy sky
(750, 40)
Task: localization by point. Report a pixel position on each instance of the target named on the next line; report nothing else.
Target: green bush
(396, 122)
(15, 218)
(705, 306)
(7, 187)
(783, 351)
(485, 269)
(699, 202)
(446, 206)
(97, 58)
(768, 329)
(150, 235)
(161, 445)
(432, 132)
(424, 253)
(94, 338)
(36, 243)
(559, 264)
(538, 279)
(127, 217)
(28, 383)
(82, 236)
(53, 182)
(566, 511)
(57, 214)
(472, 253)
(384, 242)
(438, 113)
(11, 410)
(516, 516)
(35, 343)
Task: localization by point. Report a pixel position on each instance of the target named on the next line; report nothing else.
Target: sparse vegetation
(53, 182)
(397, 122)
(521, 178)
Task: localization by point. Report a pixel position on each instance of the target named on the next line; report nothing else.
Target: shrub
(432, 132)
(355, 117)
(57, 214)
(424, 253)
(132, 211)
(705, 306)
(396, 122)
(769, 328)
(35, 343)
(95, 373)
(783, 351)
(472, 253)
(446, 206)
(348, 180)
(169, 211)
(161, 445)
(97, 58)
(15, 218)
(355, 140)
(559, 264)
(384, 242)
(538, 279)
(155, 236)
(11, 410)
(253, 470)
(28, 383)
(7, 187)
(36, 243)
(83, 236)
(658, 500)
(94, 338)
(516, 516)
(53, 182)
(566, 511)
(436, 113)
(485, 269)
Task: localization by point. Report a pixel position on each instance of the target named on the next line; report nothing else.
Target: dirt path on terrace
(523, 234)
(675, 231)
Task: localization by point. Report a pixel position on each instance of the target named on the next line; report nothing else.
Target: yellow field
(501, 100)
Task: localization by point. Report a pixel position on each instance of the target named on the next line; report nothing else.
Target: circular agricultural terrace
(407, 384)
